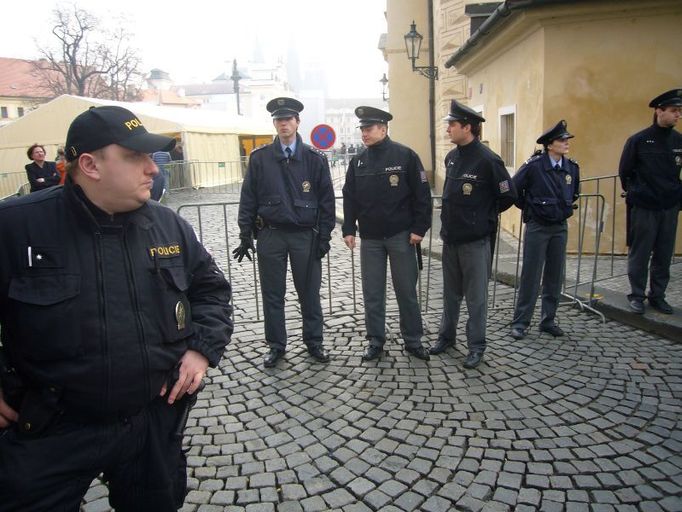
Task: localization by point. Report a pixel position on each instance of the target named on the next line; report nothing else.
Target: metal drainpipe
(432, 94)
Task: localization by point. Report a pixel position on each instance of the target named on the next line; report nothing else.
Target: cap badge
(467, 188)
(306, 186)
(280, 102)
(180, 315)
(393, 179)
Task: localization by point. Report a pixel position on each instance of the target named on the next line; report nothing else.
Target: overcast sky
(196, 40)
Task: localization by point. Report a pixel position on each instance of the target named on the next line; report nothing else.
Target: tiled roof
(18, 77)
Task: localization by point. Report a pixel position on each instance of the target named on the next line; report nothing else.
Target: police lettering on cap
(370, 116)
(284, 107)
(98, 127)
(671, 98)
(558, 131)
(462, 113)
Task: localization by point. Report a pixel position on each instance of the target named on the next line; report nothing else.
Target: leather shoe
(419, 352)
(554, 330)
(661, 305)
(637, 306)
(517, 333)
(473, 359)
(372, 352)
(319, 354)
(272, 357)
(441, 346)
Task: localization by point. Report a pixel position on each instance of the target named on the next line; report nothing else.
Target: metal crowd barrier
(216, 227)
(13, 184)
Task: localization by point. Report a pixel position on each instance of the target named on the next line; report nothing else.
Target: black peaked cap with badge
(98, 127)
(369, 116)
(459, 112)
(283, 107)
(671, 98)
(559, 131)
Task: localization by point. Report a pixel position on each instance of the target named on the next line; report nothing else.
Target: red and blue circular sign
(323, 136)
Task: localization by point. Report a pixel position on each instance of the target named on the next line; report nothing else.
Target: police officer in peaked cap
(287, 203)
(649, 171)
(386, 194)
(547, 184)
(477, 188)
(111, 312)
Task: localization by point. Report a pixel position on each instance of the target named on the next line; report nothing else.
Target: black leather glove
(243, 249)
(322, 248)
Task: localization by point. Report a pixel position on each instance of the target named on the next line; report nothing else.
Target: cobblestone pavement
(587, 422)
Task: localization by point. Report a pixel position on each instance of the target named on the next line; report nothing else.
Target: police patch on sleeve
(422, 173)
(504, 186)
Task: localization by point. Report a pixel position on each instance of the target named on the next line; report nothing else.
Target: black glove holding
(322, 248)
(243, 249)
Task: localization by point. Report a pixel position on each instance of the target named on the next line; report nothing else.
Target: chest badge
(678, 160)
(306, 186)
(180, 315)
(393, 179)
(467, 188)
(569, 180)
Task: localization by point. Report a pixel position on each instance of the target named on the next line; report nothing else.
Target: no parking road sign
(323, 136)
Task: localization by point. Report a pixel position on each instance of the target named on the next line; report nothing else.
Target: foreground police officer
(547, 184)
(111, 311)
(477, 188)
(288, 199)
(386, 192)
(649, 170)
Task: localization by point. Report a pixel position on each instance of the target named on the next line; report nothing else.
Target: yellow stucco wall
(597, 65)
(408, 91)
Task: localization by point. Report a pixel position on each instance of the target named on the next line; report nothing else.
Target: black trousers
(652, 238)
(142, 462)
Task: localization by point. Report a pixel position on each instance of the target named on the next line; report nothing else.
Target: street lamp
(236, 77)
(413, 44)
(384, 83)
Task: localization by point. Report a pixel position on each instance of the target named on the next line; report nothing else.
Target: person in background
(386, 192)
(548, 184)
(60, 162)
(41, 173)
(650, 173)
(161, 180)
(477, 188)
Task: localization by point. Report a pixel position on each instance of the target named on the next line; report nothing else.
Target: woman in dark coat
(41, 174)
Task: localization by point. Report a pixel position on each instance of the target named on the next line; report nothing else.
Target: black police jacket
(386, 192)
(290, 193)
(650, 167)
(477, 187)
(546, 195)
(101, 308)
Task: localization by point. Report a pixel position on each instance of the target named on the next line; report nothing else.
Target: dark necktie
(288, 152)
(557, 167)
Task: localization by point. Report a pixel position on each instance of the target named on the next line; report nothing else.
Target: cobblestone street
(588, 422)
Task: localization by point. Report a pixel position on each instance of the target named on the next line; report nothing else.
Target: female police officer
(548, 184)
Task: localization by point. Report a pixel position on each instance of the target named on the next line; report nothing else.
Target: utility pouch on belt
(38, 410)
(10, 383)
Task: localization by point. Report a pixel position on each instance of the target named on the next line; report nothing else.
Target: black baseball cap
(98, 127)
(281, 108)
(370, 116)
(559, 131)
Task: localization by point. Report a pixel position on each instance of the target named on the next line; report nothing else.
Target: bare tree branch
(86, 60)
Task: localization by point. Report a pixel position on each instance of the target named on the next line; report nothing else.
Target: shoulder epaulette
(532, 158)
(259, 147)
(574, 161)
(317, 151)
